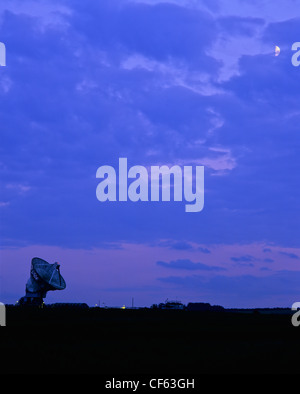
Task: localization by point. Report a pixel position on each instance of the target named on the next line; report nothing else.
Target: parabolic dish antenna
(49, 273)
(43, 277)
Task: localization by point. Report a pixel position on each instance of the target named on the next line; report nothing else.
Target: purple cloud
(186, 264)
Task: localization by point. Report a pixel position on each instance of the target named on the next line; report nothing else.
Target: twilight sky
(161, 83)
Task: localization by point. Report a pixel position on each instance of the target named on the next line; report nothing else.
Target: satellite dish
(43, 277)
(49, 273)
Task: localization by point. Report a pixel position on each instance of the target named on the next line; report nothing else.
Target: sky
(187, 83)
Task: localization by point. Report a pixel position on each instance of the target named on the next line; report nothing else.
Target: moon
(277, 50)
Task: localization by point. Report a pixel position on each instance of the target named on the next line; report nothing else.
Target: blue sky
(158, 82)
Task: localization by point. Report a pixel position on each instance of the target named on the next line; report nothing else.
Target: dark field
(144, 341)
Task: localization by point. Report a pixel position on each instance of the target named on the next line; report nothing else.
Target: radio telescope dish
(43, 278)
(49, 273)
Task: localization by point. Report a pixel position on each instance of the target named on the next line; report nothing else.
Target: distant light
(277, 50)
(123, 307)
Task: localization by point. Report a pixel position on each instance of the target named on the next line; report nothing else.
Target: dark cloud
(245, 287)
(245, 26)
(267, 250)
(203, 250)
(282, 33)
(244, 259)
(268, 260)
(181, 245)
(162, 31)
(166, 30)
(290, 255)
(186, 264)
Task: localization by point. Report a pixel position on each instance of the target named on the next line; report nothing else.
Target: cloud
(181, 33)
(246, 258)
(203, 250)
(133, 28)
(290, 255)
(169, 82)
(186, 264)
(104, 81)
(268, 260)
(176, 245)
(181, 245)
(282, 33)
(236, 25)
(282, 286)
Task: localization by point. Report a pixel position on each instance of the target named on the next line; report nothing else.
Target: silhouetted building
(203, 306)
(171, 305)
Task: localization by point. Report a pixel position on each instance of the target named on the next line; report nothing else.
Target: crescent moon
(277, 50)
